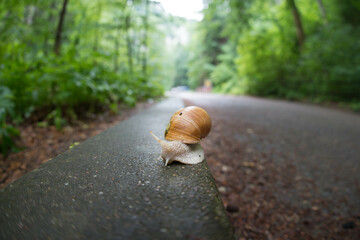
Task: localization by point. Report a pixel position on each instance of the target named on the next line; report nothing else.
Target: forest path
(307, 157)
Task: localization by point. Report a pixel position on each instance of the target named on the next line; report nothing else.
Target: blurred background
(63, 62)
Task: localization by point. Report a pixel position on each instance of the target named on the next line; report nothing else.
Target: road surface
(308, 157)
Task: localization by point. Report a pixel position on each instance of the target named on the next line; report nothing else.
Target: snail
(186, 128)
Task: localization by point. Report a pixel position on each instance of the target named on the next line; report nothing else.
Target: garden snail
(186, 128)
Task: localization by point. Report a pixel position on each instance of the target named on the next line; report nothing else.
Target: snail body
(186, 128)
(180, 152)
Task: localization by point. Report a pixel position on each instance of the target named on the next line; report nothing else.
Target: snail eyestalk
(156, 138)
(162, 144)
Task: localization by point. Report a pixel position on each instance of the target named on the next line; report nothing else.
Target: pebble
(225, 168)
(232, 209)
(349, 225)
(222, 189)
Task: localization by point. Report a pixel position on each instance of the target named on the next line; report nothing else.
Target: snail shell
(188, 125)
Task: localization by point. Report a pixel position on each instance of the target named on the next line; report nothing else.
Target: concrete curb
(112, 187)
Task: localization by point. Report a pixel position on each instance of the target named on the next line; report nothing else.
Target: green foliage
(263, 57)
(329, 65)
(56, 119)
(74, 145)
(181, 67)
(206, 44)
(109, 54)
(114, 52)
(58, 83)
(7, 131)
(252, 47)
(355, 106)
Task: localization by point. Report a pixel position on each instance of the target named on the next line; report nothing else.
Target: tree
(59, 30)
(129, 43)
(298, 22)
(322, 10)
(248, 47)
(145, 38)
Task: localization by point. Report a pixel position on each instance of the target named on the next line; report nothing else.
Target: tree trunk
(322, 10)
(116, 45)
(118, 26)
(145, 40)
(298, 23)
(30, 13)
(96, 34)
(48, 28)
(129, 46)
(57, 45)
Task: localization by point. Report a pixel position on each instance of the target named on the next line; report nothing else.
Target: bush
(7, 131)
(57, 87)
(330, 65)
(75, 85)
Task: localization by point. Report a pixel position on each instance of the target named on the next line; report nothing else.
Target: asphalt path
(113, 186)
(322, 144)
